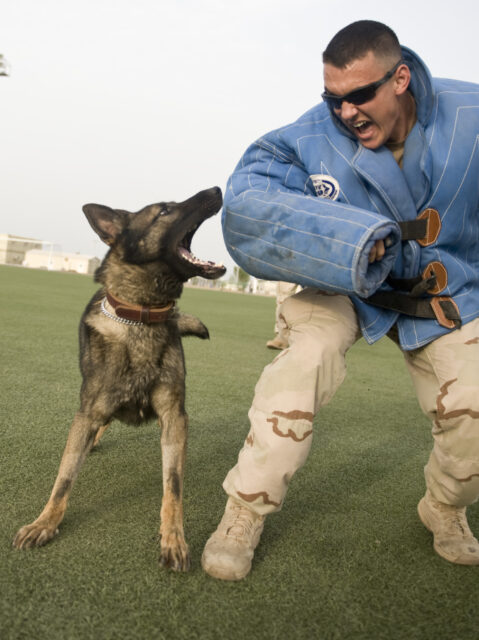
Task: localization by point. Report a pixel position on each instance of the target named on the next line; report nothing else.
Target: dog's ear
(106, 222)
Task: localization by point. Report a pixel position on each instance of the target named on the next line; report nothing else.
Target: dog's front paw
(174, 553)
(34, 535)
(192, 326)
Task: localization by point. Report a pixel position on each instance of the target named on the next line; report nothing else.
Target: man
(283, 291)
(370, 201)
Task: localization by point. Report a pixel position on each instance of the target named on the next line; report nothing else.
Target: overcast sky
(130, 102)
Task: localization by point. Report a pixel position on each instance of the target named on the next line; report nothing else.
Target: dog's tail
(191, 326)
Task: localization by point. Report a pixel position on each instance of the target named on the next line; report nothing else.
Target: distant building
(254, 286)
(262, 287)
(57, 261)
(14, 248)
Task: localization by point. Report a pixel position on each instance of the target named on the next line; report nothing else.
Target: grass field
(345, 559)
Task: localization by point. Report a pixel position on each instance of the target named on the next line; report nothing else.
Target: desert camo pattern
(304, 377)
(445, 374)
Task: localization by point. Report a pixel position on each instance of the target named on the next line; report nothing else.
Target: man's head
(366, 83)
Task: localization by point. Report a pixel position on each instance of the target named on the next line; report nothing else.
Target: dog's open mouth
(204, 268)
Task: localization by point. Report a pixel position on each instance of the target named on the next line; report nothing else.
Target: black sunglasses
(360, 95)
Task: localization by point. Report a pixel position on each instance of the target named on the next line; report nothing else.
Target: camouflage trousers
(283, 291)
(305, 377)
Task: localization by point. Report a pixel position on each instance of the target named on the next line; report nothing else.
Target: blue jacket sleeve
(275, 228)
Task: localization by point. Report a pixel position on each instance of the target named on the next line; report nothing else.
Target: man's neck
(406, 121)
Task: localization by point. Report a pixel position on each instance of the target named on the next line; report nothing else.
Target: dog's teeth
(189, 257)
(186, 255)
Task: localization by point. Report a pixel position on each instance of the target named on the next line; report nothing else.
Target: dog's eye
(164, 211)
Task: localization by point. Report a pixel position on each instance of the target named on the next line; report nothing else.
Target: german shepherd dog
(131, 356)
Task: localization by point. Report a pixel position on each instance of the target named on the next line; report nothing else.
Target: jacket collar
(403, 191)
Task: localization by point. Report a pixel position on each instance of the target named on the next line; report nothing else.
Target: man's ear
(106, 222)
(402, 79)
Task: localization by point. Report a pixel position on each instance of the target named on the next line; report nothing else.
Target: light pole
(4, 66)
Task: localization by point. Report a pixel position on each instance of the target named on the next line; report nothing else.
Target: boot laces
(240, 522)
(457, 518)
(460, 523)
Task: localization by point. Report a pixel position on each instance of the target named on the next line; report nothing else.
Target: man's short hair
(359, 38)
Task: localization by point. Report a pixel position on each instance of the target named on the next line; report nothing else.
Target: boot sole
(217, 572)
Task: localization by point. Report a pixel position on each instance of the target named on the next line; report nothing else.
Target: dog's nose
(215, 193)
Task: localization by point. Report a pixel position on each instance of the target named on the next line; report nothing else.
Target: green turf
(345, 558)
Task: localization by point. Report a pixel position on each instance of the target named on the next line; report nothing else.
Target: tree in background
(241, 278)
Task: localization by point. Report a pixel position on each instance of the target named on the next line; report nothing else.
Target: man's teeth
(364, 124)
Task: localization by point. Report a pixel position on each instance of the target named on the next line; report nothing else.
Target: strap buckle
(424, 229)
(441, 308)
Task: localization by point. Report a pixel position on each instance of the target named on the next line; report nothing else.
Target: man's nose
(347, 111)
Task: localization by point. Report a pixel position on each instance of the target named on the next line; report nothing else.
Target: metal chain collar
(105, 311)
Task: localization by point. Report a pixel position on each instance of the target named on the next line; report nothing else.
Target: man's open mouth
(362, 126)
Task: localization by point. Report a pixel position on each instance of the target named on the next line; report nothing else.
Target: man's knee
(320, 321)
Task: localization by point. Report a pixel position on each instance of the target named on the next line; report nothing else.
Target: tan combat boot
(277, 343)
(229, 551)
(453, 540)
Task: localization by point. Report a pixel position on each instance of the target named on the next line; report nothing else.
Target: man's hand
(377, 252)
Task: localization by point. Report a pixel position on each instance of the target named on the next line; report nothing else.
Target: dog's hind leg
(45, 527)
(169, 404)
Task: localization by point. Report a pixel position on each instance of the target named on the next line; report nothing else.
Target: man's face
(379, 120)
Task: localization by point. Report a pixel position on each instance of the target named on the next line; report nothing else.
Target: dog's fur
(136, 372)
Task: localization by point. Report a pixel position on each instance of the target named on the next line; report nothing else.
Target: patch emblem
(325, 186)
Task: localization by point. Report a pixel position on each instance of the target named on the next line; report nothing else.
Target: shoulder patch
(325, 186)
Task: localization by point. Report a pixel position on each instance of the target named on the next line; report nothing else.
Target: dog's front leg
(99, 434)
(45, 527)
(174, 423)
